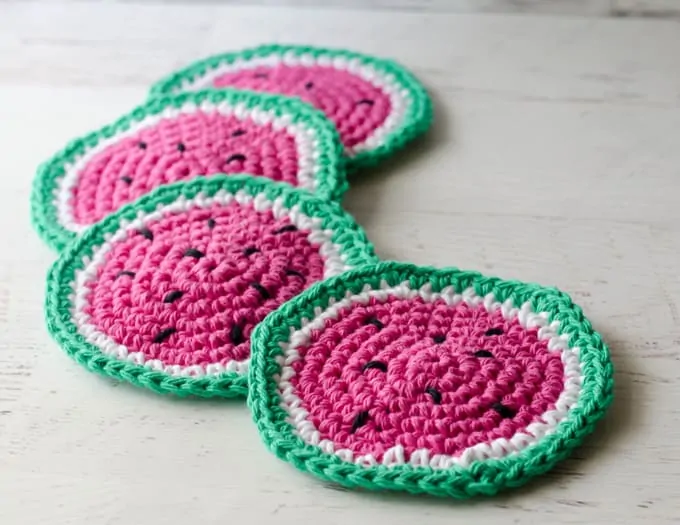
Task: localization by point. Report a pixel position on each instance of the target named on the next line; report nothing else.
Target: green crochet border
(417, 119)
(481, 478)
(351, 238)
(331, 177)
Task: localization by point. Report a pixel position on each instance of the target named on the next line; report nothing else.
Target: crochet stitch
(166, 292)
(179, 137)
(445, 382)
(376, 104)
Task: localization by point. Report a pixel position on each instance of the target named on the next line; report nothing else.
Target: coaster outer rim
(332, 184)
(346, 232)
(485, 478)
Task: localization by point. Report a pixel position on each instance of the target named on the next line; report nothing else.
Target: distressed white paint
(555, 158)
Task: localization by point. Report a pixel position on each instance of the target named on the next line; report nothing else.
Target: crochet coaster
(179, 137)
(376, 104)
(164, 293)
(427, 381)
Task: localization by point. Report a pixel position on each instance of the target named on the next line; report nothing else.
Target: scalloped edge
(482, 477)
(417, 117)
(346, 234)
(329, 173)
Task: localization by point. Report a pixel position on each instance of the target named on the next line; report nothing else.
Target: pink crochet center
(190, 288)
(180, 148)
(425, 376)
(356, 107)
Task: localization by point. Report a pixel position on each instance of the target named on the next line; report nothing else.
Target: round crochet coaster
(376, 104)
(165, 292)
(428, 381)
(180, 137)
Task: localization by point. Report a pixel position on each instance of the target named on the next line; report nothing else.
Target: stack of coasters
(204, 252)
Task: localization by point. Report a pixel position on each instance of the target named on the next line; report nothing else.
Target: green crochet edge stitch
(330, 166)
(417, 118)
(349, 236)
(482, 477)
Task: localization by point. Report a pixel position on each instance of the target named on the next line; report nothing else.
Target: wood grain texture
(552, 7)
(658, 9)
(555, 158)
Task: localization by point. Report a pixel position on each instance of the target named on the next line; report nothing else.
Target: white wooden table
(555, 158)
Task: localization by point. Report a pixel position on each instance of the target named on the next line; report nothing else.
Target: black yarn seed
(359, 421)
(236, 156)
(238, 133)
(261, 75)
(505, 412)
(377, 365)
(439, 338)
(142, 145)
(173, 296)
(309, 85)
(366, 101)
(287, 228)
(494, 331)
(236, 334)
(126, 179)
(434, 394)
(146, 233)
(250, 250)
(211, 223)
(262, 290)
(164, 334)
(181, 147)
(125, 272)
(483, 353)
(193, 252)
(375, 322)
(295, 273)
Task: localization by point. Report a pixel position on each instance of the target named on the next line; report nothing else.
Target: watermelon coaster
(180, 137)
(428, 381)
(165, 292)
(376, 104)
